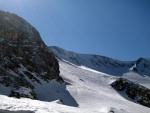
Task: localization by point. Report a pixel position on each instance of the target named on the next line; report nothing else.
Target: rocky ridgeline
(133, 90)
(142, 66)
(24, 58)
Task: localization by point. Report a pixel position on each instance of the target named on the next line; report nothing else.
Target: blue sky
(118, 29)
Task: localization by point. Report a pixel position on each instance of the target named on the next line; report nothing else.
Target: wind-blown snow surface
(90, 91)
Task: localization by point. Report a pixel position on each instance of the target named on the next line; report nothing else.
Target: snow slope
(92, 90)
(88, 90)
(11, 105)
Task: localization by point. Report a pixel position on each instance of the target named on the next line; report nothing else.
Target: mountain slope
(91, 90)
(28, 69)
(103, 64)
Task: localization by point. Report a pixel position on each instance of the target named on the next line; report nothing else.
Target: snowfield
(90, 89)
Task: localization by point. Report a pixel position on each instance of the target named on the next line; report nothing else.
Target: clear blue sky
(118, 29)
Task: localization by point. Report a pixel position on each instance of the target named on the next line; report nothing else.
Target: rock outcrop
(133, 90)
(24, 57)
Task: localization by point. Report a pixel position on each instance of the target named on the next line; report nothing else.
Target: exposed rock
(133, 90)
(24, 55)
(142, 66)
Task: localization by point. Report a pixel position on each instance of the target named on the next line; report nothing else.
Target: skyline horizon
(98, 54)
(115, 29)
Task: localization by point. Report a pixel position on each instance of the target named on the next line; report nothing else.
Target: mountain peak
(14, 28)
(24, 58)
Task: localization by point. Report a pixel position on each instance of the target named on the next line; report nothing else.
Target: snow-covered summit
(142, 66)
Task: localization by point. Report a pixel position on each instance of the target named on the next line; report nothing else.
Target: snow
(1, 40)
(54, 91)
(95, 62)
(88, 69)
(7, 18)
(4, 90)
(12, 73)
(88, 91)
(92, 90)
(11, 105)
(144, 80)
(25, 91)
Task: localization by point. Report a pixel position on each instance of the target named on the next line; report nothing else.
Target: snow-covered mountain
(137, 71)
(72, 83)
(90, 89)
(27, 68)
(102, 63)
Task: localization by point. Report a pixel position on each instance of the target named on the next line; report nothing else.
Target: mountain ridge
(129, 79)
(57, 47)
(102, 63)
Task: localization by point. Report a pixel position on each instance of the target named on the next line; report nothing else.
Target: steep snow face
(103, 64)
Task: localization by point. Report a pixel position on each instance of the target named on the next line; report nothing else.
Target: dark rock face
(134, 91)
(22, 53)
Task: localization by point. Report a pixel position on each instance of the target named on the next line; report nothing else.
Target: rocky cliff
(134, 91)
(24, 58)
